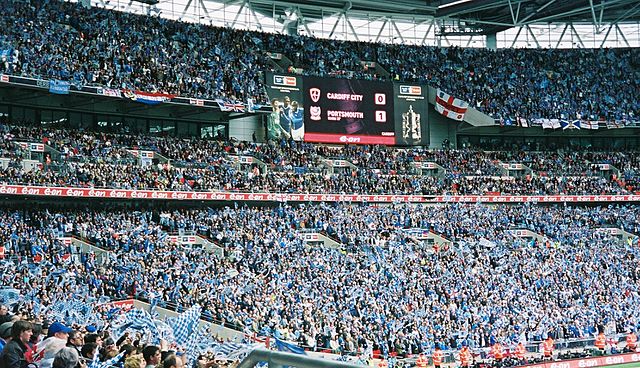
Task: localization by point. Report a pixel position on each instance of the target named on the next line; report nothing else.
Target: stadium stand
(104, 161)
(223, 63)
(397, 295)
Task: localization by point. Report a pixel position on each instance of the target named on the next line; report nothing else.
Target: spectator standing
(13, 354)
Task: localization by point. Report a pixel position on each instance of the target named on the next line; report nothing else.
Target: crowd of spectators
(66, 41)
(381, 290)
(27, 341)
(101, 160)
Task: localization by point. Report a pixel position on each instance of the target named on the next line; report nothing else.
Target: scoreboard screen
(348, 111)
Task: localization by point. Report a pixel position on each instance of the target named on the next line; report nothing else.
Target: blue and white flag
(136, 320)
(233, 350)
(185, 325)
(107, 364)
(288, 347)
(9, 296)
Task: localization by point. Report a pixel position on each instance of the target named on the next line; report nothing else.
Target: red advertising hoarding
(29, 190)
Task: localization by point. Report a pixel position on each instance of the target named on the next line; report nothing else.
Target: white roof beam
(426, 34)
(515, 39)
(566, 26)
(382, 29)
(535, 39)
(235, 19)
(622, 35)
(335, 25)
(573, 29)
(606, 35)
(355, 34)
(395, 26)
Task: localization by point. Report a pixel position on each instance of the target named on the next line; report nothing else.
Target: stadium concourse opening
(176, 194)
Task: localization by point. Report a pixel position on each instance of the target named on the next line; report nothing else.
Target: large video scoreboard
(333, 110)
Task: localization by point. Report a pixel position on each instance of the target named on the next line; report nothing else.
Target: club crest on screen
(314, 93)
(315, 112)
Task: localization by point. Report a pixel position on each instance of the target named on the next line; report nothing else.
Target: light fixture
(458, 2)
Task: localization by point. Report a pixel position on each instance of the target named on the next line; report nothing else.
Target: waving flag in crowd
(449, 106)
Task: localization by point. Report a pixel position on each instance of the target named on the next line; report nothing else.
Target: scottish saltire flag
(566, 124)
(449, 106)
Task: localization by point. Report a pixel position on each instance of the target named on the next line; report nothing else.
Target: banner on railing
(59, 87)
(29, 190)
(123, 305)
(182, 239)
(34, 147)
(149, 98)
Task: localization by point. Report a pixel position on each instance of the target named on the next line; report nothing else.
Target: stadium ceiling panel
(504, 14)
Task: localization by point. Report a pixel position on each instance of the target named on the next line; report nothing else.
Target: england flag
(449, 106)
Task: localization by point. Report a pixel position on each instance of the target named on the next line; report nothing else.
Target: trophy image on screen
(411, 130)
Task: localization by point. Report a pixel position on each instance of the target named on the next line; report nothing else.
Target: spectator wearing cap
(60, 331)
(151, 355)
(5, 334)
(58, 336)
(13, 354)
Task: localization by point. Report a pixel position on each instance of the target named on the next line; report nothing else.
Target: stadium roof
(516, 23)
(478, 16)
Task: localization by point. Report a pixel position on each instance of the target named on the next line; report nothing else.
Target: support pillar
(492, 42)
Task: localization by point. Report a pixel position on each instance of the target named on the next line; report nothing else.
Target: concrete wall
(441, 128)
(243, 128)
